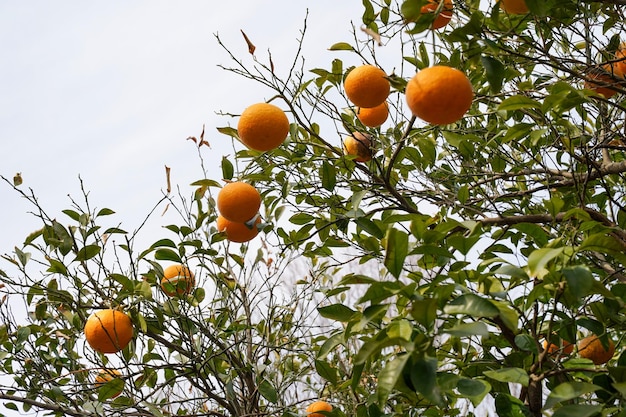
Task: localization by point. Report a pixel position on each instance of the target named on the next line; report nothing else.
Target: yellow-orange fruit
(358, 144)
(514, 6)
(607, 76)
(591, 348)
(238, 202)
(367, 86)
(439, 95)
(313, 410)
(565, 349)
(443, 17)
(373, 116)
(238, 232)
(108, 331)
(105, 376)
(263, 127)
(177, 280)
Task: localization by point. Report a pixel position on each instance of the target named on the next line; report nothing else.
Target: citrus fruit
(238, 202)
(514, 6)
(591, 348)
(106, 375)
(358, 144)
(313, 410)
(443, 17)
(108, 331)
(566, 348)
(439, 95)
(367, 86)
(263, 127)
(603, 80)
(373, 116)
(177, 280)
(619, 67)
(238, 232)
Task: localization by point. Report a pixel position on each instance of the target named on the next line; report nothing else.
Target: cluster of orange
(590, 347)
(603, 79)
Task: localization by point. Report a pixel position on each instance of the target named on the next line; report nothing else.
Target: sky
(109, 92)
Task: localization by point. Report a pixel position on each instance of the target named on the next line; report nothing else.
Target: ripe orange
(313, 409)
(238, 232)
(604, 79)
(373, 116)
(105, 376)
(367, 86)
(358, 144)
(514, 6)
(238, 202)
(439, 95)
(108, 331)
(591, 348)
(443, 17)
(263, 127)
(177, 280)
(565, 349)
(619, 67)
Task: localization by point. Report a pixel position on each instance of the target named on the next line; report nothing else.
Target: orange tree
(447, 261)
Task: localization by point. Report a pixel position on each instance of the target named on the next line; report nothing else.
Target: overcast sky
(111, 90)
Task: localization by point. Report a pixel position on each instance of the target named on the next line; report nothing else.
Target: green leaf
(400, 329)
(526, 343)
(469, 329)
(578, 410)
(568, 391)
(518, 102)
(396, 249)
(539, 259)
(330, 343)
(425, 311)
(514, 375)
(228, 171)
(301, 218)
(423, 376)
(110, 389)
(579, 280)
(329, 175)
(164, 254)
(388, 377)
(509, 406)
(338, 312)
(105, 212)
(494, 70)
(87, 252)
(473, 389)
(471, 305)
(268, 391)
(326, 371)
(341, 46)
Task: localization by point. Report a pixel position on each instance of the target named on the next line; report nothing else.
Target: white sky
(111, 90)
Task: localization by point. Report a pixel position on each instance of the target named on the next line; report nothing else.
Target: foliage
(444, 261)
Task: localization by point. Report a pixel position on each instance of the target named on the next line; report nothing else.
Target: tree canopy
(445, 268)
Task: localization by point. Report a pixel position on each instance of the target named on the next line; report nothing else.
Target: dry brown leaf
(251, 47)
(167, 176)
(372, 34)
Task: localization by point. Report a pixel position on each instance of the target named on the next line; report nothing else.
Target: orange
(443, 17)
(565, 349)
(263, 127)
(313, 409)
(108, 331)
(358, 144)
(514, 6)
(238, 202)
(373, 116)
(619, 67)
(439, 95)
(105, 376)
(177, 280)
(591, 348)
(367, 86)
(604, 79)
(238, 232)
